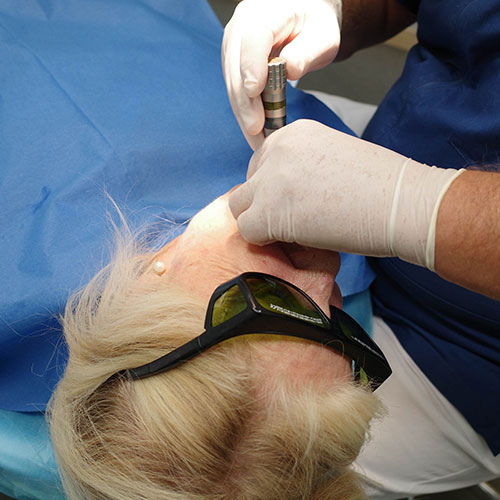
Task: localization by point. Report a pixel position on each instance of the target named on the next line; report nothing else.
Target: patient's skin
(212, 251)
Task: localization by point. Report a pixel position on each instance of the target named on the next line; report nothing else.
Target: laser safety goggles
(255, 303)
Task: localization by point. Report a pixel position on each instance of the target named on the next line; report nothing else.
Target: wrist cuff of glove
(417, 197)
(431, 237)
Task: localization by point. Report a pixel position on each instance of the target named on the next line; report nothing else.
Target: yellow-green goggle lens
(228, 305)
(280, 298)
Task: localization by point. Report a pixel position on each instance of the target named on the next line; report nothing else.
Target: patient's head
(255, 417)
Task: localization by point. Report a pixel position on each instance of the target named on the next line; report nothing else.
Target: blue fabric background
(118, 97)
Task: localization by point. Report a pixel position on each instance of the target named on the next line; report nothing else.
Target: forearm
(467, 248)
(368, 22)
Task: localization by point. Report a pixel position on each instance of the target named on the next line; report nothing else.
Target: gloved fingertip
(234, 202)
(255, 141)
(251, 238)
(252, 87)
(295, 69)
(240, 199)
(254, 131)
(252, 228)
(295, 74)
(261, 243)
(254, 128)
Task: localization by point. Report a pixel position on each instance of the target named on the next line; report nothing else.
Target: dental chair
(103, 99)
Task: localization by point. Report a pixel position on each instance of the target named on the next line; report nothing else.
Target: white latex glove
(304, 32)
(322, 188)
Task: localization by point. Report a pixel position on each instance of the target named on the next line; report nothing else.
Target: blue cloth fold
(27, 466)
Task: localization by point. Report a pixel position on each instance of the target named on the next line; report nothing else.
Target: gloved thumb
(253, 227)
(315, 46)
(240, 199)
(306, 53)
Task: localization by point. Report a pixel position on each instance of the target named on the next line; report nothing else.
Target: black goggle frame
(340, 332)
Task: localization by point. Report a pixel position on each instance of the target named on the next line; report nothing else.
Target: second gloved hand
(322, 188)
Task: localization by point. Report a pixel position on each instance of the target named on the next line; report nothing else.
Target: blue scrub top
(444, 110)
(105, 97)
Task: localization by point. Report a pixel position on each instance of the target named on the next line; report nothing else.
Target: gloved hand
(322, 188)
(305, 32)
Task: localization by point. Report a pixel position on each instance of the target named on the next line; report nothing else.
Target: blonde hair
(198, 431)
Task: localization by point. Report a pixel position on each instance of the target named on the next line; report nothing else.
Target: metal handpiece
(274, 96)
